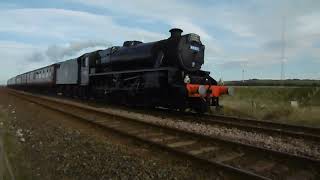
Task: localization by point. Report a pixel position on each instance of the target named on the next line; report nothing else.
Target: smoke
(55, 53)
(37, 57)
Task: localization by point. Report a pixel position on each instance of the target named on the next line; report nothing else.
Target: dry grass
(274, 104)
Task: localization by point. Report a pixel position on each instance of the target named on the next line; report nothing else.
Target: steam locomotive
(164, 73)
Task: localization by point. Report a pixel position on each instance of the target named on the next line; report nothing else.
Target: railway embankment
(43, 144)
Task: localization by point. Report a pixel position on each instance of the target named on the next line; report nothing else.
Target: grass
(14, 151)
(275, 104)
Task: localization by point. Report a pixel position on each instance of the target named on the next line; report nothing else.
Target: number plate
(195, 48)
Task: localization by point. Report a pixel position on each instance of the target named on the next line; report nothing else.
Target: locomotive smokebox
(175, 32)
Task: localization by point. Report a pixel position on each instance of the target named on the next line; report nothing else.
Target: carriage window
(87, 62)
(82, 63)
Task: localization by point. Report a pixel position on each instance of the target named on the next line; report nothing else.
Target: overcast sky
(238, 34)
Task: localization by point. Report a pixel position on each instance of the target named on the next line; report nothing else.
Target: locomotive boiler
(183, 52)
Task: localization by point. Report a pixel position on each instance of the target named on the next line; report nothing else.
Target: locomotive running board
(135, 71)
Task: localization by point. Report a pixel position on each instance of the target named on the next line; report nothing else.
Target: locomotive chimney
(175, 32)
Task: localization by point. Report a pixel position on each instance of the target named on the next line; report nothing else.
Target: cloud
(37, 56)
(234, 32)
(188, 26)
(234, 64)
(174, 13)
(61, 25)
(13, 55)
(20, 57)
(51, 35)
(178, 13)
(309, 24)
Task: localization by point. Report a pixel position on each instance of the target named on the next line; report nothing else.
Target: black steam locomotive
(162, 73)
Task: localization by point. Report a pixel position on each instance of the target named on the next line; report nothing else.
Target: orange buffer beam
(198, 90)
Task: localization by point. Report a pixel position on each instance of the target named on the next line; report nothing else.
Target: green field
(272, 82)
(295, 105)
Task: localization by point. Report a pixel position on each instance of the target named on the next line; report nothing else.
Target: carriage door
(85, 71)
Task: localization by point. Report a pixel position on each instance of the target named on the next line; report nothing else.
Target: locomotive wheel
(201, 106)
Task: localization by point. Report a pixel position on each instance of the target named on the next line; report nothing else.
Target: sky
(240, 35)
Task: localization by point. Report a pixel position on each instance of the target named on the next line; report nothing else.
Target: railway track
(267, 126)
(231, 159)
(273, 128)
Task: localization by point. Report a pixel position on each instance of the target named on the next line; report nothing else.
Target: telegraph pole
(282, 76)
(242, 75)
